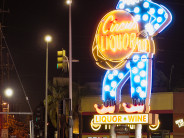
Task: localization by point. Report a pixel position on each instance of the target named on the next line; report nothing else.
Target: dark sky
(28, 21)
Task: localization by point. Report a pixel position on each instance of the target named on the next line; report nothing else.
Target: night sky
(28, 21)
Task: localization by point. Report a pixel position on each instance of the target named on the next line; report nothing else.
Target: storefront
(166, 104)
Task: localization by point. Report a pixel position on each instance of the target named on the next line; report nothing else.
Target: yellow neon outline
(95, 127)
(106, 23)
(136, 45)
(152, 127)
(103, 110)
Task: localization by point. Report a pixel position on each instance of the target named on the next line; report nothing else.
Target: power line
(26, 97)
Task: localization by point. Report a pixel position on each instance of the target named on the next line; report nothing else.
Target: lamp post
(48, 39)
(69, 2)
(8, 92)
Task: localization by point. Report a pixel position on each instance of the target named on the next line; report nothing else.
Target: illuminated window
(146, 5)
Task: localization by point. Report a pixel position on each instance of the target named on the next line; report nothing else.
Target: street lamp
(48, 39)
(8, 92)
(69, 2)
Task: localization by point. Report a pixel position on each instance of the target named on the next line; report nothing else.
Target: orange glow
(133, 109)
(104, 110)
(113, 34)
(116, 39)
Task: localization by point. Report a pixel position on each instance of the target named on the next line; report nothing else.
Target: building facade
(169, 106)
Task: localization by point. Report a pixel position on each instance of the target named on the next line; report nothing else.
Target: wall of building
(178, 117)
(159, 102)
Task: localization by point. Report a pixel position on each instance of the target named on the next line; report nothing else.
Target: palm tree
(58, 92)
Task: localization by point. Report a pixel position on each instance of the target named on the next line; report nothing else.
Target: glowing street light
(69, 2)
(9, 92)
(48, 39)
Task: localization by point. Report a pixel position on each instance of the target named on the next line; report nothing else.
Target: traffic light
(62, 107)
(38, 114)
(62, 61)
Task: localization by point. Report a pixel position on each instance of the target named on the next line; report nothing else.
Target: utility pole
(4, 67)
(70, 70)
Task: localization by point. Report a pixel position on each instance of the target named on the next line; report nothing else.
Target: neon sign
(132, 108)
(94, 126)
(153, 17)
(154, 127)
(123, 45)
(104, 109)
(180, 123)
(116, 39)
(122, 119)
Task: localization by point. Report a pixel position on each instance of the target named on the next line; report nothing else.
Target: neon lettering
(114, 118)
(115, 27)
(131, 118)
(144, 118)
(119, 119)
(104, 119)
(108, 19)
(123, 42)
(140, 118)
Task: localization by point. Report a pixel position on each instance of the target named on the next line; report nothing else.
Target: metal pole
(70, 70)
(30, 129)
(112, 131)
(138, 131)
(46, 91)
